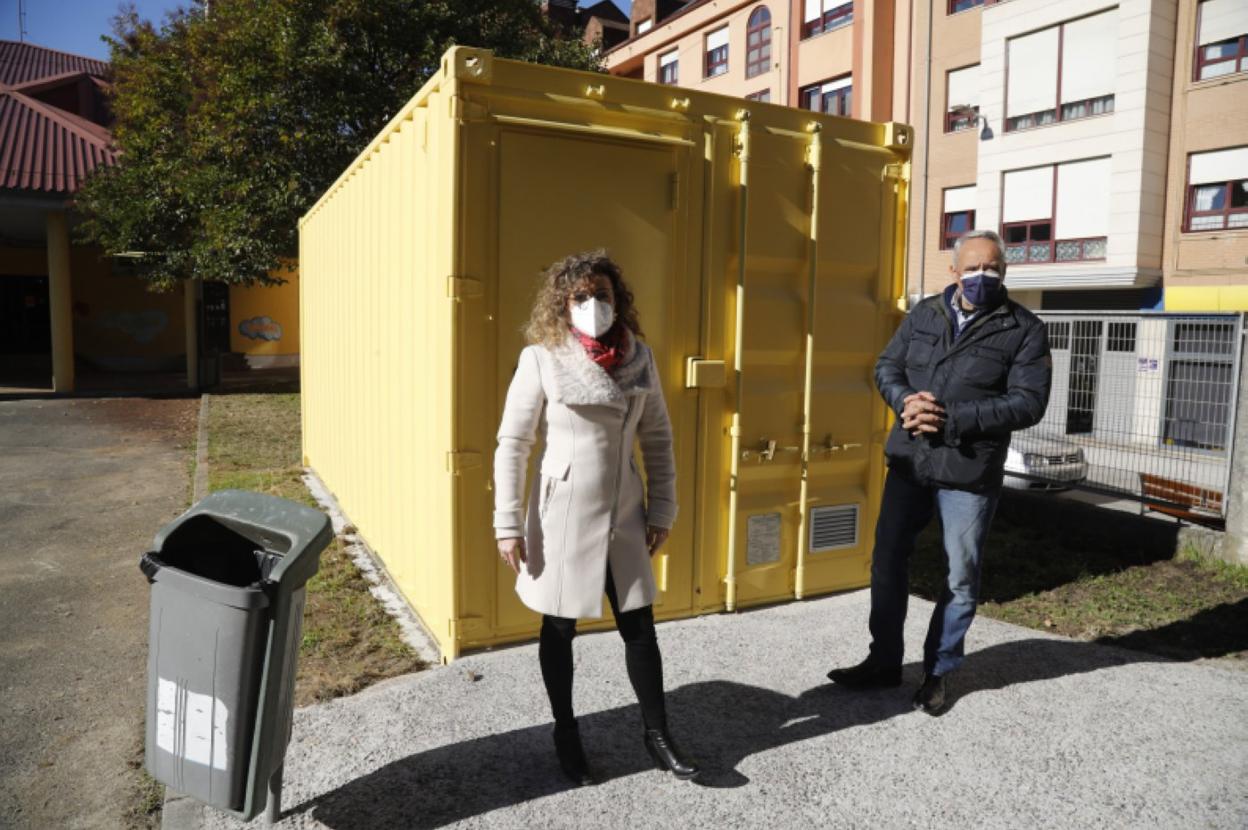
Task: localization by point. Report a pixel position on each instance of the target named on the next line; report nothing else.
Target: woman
(589, 387)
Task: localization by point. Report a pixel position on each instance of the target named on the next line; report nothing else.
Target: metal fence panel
(1142, 407)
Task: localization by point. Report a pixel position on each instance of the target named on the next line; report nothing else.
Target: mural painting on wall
(140, 326)
(261, 328)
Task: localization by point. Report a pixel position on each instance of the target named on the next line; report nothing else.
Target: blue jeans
(906, 509)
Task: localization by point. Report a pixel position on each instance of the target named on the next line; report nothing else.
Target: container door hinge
(463, 288)
(458, 462)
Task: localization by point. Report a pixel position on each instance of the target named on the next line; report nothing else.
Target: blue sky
(76, 25)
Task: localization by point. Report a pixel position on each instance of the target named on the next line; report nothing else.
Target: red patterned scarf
(607, 351)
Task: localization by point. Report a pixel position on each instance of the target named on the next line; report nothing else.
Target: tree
(232, 120)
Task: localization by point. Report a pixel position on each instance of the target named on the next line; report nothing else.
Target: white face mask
(593, 317)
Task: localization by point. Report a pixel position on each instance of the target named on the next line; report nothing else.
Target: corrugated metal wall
(376, 363)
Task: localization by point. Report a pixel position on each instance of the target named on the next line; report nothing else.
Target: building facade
(1205, 244)
(1103, 140)
(1106, 140)
(830, 56)
(65, 308)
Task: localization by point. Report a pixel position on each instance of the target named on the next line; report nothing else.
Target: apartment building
(1205, 246)
(825, 55)
(1106, 141)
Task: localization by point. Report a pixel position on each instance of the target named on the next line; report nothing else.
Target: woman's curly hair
(548, 324)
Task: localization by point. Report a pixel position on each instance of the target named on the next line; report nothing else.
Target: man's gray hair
(991, 236)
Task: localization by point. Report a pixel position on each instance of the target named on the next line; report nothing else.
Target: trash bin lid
(295, 532)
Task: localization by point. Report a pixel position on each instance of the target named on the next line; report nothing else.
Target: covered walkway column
(190, 309)
(61, 303)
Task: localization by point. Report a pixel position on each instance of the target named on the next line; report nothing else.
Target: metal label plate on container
(762, 539)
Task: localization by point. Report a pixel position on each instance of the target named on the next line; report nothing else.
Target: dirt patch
(349, 641)
(1045, 576)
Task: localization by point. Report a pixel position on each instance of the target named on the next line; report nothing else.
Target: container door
(769, 550)
(561, 192)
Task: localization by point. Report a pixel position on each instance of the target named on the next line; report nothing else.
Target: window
(1217, 190)
(1062, 73)
(962, 99)
(716, 52)
(1059, 334)
(1221, 38)
(956, 6)
(834, 97)
(825, 15)
(1200, 384)
(958, 216)
(1056, 214)
(763, 96)
(668, 66)
(758, 43)
(1121, 337)
(645, 26)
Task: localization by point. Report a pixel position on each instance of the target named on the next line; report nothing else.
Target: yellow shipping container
(764, 245)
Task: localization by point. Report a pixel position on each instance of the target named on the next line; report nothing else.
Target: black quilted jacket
(992, 380)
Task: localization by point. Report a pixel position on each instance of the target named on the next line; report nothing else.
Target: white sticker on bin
(191, 725)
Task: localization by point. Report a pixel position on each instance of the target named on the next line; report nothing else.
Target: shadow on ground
(459, 781)
(1037, 544)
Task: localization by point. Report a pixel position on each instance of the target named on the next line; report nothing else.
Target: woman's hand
(655, 537)
(512, 552)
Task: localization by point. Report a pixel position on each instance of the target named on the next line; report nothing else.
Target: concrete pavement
(1043, 732)
(84, 485)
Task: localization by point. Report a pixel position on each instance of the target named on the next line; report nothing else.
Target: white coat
(587, 507)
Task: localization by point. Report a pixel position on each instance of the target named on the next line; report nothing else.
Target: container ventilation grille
(833, 528)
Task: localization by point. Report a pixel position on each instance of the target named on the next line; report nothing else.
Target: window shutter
(1090, 57)
(958, 199)
(668, 59)
(1219, 166)
(813, 11)
(1082, 199)
(1222, 20)
(1032, 65)
(1028, 195)
(717, 38)
(963, 87)
(839, 83)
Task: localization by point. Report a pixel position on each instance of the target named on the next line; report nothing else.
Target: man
(965, 369)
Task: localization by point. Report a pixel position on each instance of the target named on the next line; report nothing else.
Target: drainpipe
(927, 155)
(60, 302)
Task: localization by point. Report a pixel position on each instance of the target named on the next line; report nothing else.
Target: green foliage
(232, 121)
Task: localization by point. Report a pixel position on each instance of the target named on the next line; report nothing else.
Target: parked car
(1037, 462)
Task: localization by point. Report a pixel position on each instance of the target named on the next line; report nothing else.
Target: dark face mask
(981, 288)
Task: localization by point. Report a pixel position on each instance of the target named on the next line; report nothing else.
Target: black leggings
(641, 656)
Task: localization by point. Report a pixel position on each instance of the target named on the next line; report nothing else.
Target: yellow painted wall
(118, 322)
(1207, 298)
(265, 320)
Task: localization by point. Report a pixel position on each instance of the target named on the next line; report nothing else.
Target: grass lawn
(1070, 579)
(1067, 577)
(349, 641)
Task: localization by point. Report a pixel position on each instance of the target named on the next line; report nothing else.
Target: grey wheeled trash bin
(227, 600)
